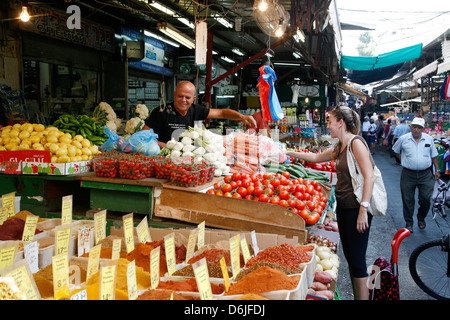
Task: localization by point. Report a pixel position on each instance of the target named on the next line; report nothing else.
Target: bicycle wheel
(429, 267)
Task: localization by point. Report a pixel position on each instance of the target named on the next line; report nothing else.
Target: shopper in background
(380, 129)
(365, 129)
(400, 130)
(183, 112)
(418, 154)
(372, 135)
(353, 219)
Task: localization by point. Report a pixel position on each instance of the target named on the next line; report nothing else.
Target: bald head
(184, 96)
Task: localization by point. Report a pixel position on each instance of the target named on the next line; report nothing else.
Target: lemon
(63, 159)
(35, 139)
(79, 152)
(27, 127)
(24, 134)
(38, 146)
(14, 133)
(86, 151)
(78, 138)
(2, 148)
(86, 143)
(11, 146)
(50, 128)
(84, 157)
(53, 147)
(15, 140)
(6, 139)
(72, 151)
(17, 126)
(64, 139)
(39, 127)
(61, 152)
(54, 159)
(52, 138)
(77, 144)
(23, 147)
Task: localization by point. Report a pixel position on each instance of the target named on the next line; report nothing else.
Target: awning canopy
(403, 102)
(382, 60)
(425, 70)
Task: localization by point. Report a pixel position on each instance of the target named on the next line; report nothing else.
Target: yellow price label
(169, 246)
(201, 235)
(191, 244)
(3, 214)
(93, 261)
(108, 273)
(235, 255)
(128, 231)
(100, 226)
(8, 201)
(66, 209)
(245, 250)
(62, 240)
(143, 232)
(202, 278)
(117, 247)
(131, 281)
(60, 269)
(8, 253)
(154, 267)
(23, 279)
(226, 278)
(30, 228)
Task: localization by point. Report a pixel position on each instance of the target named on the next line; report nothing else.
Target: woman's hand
(362, 223)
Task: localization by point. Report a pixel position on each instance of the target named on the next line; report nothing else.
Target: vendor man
(183, 112)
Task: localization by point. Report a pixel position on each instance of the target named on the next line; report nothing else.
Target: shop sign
(53, 23)
(157, 53)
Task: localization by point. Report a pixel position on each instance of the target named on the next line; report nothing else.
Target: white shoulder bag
(378, 202)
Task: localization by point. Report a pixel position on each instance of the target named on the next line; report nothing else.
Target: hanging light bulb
(263, 5)
(24, 15)
(279, 31)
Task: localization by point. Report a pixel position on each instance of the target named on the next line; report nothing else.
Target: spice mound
(264, 279)
(12, 229)
(251, 296)
(214, 271)
(188, 285)
(152, 294)
(260, 264)
(141, 254)
(284, 254)
(214, 256)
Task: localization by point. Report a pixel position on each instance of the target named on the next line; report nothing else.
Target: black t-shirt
(166, 122)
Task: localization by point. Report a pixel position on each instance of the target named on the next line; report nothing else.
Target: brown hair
(351, 121)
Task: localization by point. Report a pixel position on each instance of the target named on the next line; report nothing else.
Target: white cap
(419, 122)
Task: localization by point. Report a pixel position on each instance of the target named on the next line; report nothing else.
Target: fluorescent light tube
(150, 34)
(162, 8)
(186, 22)
(227, 59)
(176, 35)
(287, 64)
(238, 52)
(299, 36)
(223, 21)
(296, 55)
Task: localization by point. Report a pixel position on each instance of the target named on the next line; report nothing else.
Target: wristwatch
(365, 204)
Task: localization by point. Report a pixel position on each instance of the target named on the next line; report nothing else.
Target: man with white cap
(418, 154)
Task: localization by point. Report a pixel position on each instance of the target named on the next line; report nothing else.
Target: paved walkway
(383, 230)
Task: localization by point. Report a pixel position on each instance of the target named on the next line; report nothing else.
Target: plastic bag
(113, 142)
(142, 142)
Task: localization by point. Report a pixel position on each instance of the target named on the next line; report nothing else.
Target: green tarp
(382, 60)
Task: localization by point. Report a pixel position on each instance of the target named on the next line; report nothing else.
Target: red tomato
(237, 195)
(318, 189)
(304, 214)
(298, 195)
(275, 200)
(284, 181)
(306, 196)
(227, 194)
(283, 203)
(226, 188)
(217, 186)
(210, 191)
(286, 174)
(233, 184)
(267, 175)
(294, 210)
(300, 205)
(236, 176)
(258, 191)
(311, 205)
(275, 182)
(284, 195)
(263, 198)
(300, 188)
(242, 191)
(314, 183)
(250, 190)
(306, 182)
(248, 197)
(227, 179)
(310, 189)
(292, 203)
(313, 218)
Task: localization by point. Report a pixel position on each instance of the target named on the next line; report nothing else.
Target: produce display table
(118, 194)
(41, 194)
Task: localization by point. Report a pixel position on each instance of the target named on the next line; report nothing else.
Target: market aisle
(383, 230)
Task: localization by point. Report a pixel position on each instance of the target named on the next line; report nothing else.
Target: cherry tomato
(286, 174)
(237, 195)
(210, 191)
(227, 188)
(263, 198)
(242, 191)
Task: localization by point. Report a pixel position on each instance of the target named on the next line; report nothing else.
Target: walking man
(418, 154)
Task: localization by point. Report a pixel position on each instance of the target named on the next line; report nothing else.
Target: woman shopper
(353, 219)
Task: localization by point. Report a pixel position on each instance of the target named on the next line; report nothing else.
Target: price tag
(8, 253)
(226, 278)
(131, 281)
(100, 226)
(202, 278)
(81, 295)
(84, 239)
(60, 269)
(191, 244)
(143, 232)
(201, 235)
(169, 246)
(62, 239)
(8, 201)
(154, 267)
(30, 228)
(66, 210)
(254, 243)
(108, 273)
(31, 252)
(128, 231)
(244, 247)
(3, 214)
(117, 247)
(93, 261)
(20, 272)
(235, 255)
